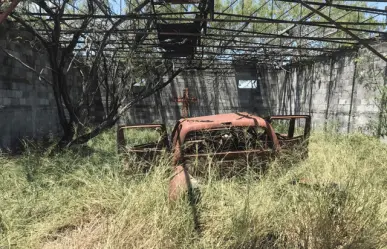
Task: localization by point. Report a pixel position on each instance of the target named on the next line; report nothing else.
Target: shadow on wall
(216, 93)
(298, 92)
(197, 89)
(328, 89)
(141, 114)
(21, 124)
(227, 94)
(27, 106)
(142, 111)
(175, 92)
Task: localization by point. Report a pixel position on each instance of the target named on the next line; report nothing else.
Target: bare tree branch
(30, 29)
(27, 66)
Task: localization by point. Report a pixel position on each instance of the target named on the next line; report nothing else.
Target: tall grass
(82, 199)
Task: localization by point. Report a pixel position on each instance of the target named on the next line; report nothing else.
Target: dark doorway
(249, 91)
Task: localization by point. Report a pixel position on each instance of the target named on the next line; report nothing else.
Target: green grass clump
(81, 198)
(141, 136)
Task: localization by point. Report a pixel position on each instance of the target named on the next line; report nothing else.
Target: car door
(292, 131)
(145, 141)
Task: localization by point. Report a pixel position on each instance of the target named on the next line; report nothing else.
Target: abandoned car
(222, 138)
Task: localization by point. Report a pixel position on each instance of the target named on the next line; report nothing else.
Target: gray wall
(215, 94)
(27, 107)
(341, 91)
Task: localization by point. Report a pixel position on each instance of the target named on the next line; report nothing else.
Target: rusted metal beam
(346, 30)
(235, 55)
(211, 38)
(240, 47)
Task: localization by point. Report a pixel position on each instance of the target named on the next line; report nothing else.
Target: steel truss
(195, 31)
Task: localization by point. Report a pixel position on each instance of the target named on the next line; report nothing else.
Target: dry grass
(81, 199)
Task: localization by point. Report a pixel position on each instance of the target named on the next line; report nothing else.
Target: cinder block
(6, 101)
(30, 76)
(3, 93)
(43, 95)
(16, 85)
(29, 87)
(16, 94)
(42, 101)
(30, 101)
(15, 102)
(26, 94)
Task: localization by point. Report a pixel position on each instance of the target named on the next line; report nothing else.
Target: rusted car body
(292, 140)
(225, 138)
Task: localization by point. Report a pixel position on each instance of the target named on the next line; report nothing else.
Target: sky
(379, 5)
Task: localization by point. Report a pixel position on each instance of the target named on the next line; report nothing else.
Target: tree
(98, 57)
(6, 8)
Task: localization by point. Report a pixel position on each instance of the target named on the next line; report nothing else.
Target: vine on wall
(373, 76)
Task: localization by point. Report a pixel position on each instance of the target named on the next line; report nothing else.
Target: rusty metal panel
(177, 38)
(182, 179)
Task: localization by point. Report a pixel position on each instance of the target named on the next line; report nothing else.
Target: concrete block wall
(370, 79)
(339, 91)
(215, 94)
(27, 106)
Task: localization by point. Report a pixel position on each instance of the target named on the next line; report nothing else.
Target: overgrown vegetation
(81, 198)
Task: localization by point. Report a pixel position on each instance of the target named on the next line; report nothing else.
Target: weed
(80, 198)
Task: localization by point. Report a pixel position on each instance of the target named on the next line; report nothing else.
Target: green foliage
(82, 199)
(141, 136)
(371, 75)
